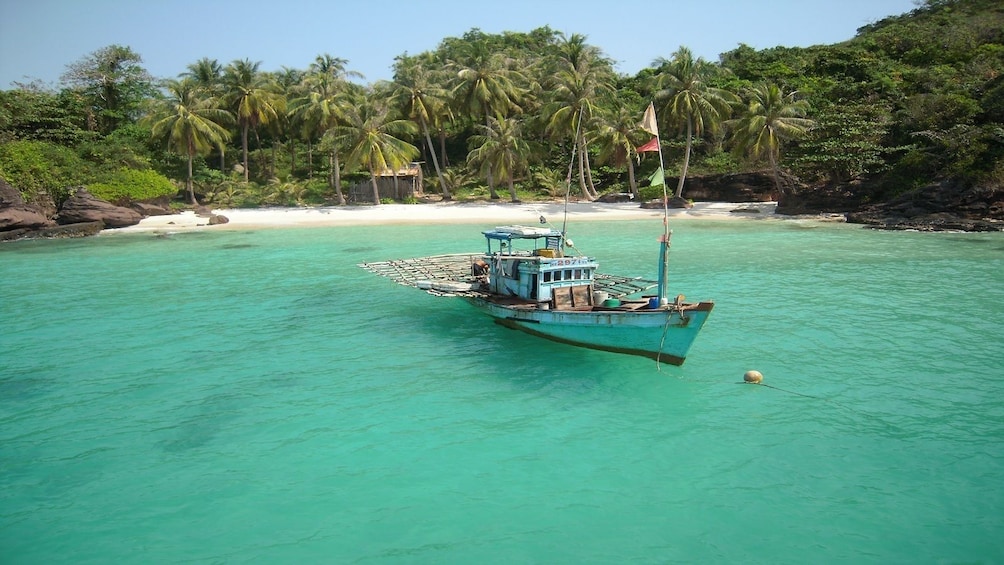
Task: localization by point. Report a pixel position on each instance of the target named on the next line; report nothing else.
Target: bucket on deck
(599, 296)
(611, 303)
(653, 302)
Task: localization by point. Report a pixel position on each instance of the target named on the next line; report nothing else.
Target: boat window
(578, 274)
(557, 275)
(547, 276)
(568, 274)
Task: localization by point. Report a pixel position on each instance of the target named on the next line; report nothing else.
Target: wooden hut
(405, 182)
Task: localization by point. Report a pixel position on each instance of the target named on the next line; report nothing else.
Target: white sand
(440, 213)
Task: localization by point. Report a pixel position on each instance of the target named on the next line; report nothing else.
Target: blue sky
(38, 38)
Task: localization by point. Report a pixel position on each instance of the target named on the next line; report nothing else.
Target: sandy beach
(443, 213)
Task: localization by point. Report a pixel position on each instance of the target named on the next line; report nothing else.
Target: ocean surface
(255, 397)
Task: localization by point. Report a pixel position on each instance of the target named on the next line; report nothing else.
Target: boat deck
(457, 268)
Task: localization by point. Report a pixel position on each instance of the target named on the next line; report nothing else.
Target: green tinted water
(254, 396)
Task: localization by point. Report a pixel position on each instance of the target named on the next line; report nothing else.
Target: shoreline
(440, 213)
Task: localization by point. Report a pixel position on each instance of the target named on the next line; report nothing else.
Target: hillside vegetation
(910, 100)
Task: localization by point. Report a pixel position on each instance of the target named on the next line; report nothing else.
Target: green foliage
(38, 115)
(130, 185)
(42, 170)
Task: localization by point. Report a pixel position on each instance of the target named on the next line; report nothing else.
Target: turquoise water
(219, 397)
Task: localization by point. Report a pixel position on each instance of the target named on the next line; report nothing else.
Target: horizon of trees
(911, 99)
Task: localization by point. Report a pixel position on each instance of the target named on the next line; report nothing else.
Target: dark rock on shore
(54, 231)
(944, 206)
(83, 206)
(826, 199)
(15, 214)
(742, 187)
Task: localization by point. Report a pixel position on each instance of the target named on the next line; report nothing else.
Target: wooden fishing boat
(532, 279)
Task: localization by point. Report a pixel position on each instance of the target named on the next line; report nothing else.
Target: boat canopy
(508, 233)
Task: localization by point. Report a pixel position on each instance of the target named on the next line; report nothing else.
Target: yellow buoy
(753, 377)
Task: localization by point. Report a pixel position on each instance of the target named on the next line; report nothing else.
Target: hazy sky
(38, 38)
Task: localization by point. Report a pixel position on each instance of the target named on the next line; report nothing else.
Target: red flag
(650, 146)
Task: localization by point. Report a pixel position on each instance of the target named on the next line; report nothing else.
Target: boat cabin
(528, 263)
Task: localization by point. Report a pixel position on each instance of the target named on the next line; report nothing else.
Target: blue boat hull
(663, 334)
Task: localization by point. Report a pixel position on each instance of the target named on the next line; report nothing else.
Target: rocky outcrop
(938, 207)
(15, 214)
(826, 199)
(54, 232)
(742, 187)
(83, 206)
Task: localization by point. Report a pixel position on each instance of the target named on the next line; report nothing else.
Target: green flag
(658, 178)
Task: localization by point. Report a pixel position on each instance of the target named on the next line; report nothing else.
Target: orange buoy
(753, 377)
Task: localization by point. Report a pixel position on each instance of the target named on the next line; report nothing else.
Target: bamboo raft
(457, 267)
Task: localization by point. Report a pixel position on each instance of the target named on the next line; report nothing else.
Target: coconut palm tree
(372, 140)
(486, 86)
(325, 97)
(191, 125)
(770, 118)
(424, 100)
(689, 100)
(581, 77)
(208, 75)
(501, 149)
(618, 135)
(248, 96)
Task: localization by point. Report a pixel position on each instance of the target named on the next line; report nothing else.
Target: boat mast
(650, 125)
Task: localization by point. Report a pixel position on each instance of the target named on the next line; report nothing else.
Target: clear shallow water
(256, 397)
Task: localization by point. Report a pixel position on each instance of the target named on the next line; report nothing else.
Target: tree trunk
(310, 160)
(244, 147)
(491, 183)
(376, 189)
(292, 158)
(686, 159)
(777, 175)
(188, 181)
(223, 161)
(582, 173)
(435, 161)
(442, 147)
(512, 190)
(593, 195)
(331, 169)
(338, 181)
(632, 183)
(272, 167)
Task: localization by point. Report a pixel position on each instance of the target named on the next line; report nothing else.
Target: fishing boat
(532, 278)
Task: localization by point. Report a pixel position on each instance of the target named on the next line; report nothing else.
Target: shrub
(42, 170)
(126, 185)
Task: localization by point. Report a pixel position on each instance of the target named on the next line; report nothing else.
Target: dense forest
(910, 100)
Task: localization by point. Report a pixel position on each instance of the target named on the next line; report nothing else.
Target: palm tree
(250, 99)
(192, 126)
(689, 100)
(581, 78)
(618, 135)
(208, 74)
(372, 140)
(770, 118)
(486, 87)
(326, 96)
(501, 149)
(424, 101)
